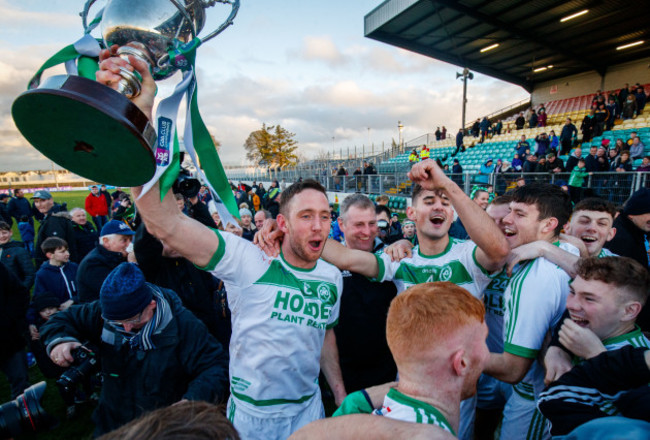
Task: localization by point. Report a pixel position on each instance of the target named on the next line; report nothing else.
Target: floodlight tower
(465, 76)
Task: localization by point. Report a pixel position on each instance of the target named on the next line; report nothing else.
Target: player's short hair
(596, 204)
(550, 200)
(359, 201)
(382, 199)
(622, 272)
(382, 208)
(502, 200)
(4, 226)
(192, 420)
(51, 244)
(426, 314)
(295, 189)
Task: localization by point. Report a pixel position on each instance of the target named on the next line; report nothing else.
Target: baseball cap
(42, 194)
(116, 227)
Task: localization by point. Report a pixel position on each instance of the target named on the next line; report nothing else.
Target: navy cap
(116, 227)
(42, 194)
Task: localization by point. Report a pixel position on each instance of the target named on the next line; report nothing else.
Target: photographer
(152, 350)
(189, 188)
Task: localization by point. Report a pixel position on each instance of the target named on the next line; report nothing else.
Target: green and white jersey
(635, 338)
(493, 298)
(606, 253)
(399, 406)
(535, 299)
(457, 264)
(279, 317)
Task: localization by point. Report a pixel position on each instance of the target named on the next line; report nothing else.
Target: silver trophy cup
(91, 129)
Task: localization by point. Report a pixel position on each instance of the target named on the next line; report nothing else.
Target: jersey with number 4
(457, 264)
(279, 317)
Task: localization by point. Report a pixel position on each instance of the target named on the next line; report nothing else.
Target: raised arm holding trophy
(96, 131)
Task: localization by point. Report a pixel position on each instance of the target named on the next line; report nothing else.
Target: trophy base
(88, 129)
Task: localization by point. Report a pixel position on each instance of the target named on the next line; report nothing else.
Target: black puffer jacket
(93, 270)
(18, 261)
(14, 299)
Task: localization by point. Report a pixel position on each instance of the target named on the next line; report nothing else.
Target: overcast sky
(303, 64)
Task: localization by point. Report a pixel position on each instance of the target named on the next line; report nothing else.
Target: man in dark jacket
(153, 352)
(54, 224)
(84, 232)
(196, 288)
(14, 299)
(108, 198)
(19, 206)
(520, 121)
(14, 255)
(567, 135)
(114, 238)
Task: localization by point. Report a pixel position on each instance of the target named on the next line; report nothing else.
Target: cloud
(320, 48)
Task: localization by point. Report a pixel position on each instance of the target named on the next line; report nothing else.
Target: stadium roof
(529, 34)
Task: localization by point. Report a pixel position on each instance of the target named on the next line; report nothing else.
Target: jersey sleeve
(535, 304)
(387, 267)
(236, 261)
(355, 403)
(479, 274)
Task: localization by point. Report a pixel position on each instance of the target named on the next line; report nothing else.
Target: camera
(25, 413)
(186, 185)
(84, 365)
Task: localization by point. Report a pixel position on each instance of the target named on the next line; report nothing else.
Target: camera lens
(25, 413)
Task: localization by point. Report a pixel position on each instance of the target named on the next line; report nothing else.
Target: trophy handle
(234, 4)
(84, 16)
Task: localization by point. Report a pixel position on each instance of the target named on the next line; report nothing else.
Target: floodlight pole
(465, 75)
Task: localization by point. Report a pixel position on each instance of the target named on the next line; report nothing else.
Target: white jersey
(535, 300)
(635, 338)
(399, 406)
(279, 317)
(606, 253)
(457, 264)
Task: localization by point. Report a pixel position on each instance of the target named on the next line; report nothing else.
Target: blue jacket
(26, 231)
(59, 280)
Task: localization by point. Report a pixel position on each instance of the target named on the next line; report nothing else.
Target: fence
(616, 187)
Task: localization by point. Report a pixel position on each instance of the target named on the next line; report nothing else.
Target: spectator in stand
(27, 234)
(424, 153)
(601, 115)
(96, 207)
(622, 94)
(523, 147)
(591, 161)
(476, 128)
(517, 163)
(639, 94)
(613, 110)
(573, 159)
(114, 239)
(57, 275)
(443, 135)
(272, 201)
(541, 117)
(637, 148)
(543, 144)
(530, 165)
(645, 165)
(341, 171)
(255, 200)
(567, 136)
(498, 127)
(554, 141)
(598, 98)
(520, 121)
(485, 127)
(532, 120)
(414, 157)
(459, 140)
(588, 126)
(4, 209)
(555, 164)
(630, 107)
(629, 141)
(438, 133)
(54, 224)
(622, 163)
(576, 180)
(15, 257)
(13, 327)
(542, 165)
(19, 206)
(484, 172)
